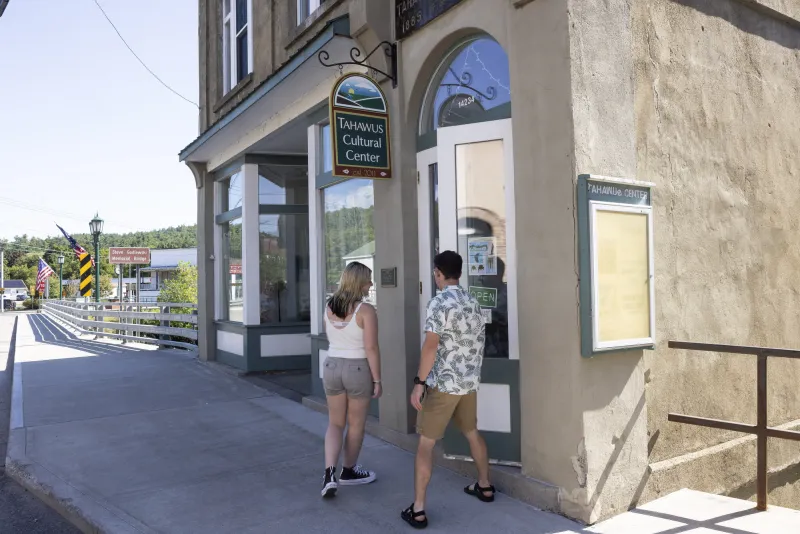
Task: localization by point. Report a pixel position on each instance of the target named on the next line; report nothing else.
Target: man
(448, 378)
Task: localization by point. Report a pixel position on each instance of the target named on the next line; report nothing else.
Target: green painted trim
(584, 268)
(319, 115)
(336, 27)
(429, 139)
(230, 168)
(502, 446)
(281, 329)
(280, 363)
(227, 326)
(327, 179)
(228, 358)
(228, 216)
(278, 160)
(264, 329)
(318, 343)
(283, 209)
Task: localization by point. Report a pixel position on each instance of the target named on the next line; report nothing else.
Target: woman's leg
(337, 418)
(356, 421)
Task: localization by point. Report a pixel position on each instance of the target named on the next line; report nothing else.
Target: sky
(84, 128)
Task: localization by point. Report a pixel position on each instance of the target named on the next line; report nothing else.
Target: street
(20, 511)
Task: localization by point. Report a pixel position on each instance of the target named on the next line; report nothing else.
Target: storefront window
(233, 303)
(284, 292)
(284, 268)
(472, 85)
(232, 192)
(282, 185)
(349, 230)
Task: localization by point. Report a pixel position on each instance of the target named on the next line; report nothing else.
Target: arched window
(471, 85)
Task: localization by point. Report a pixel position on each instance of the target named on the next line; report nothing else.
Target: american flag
(44, 273)
(75, 246)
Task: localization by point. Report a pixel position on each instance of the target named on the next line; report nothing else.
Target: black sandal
(410, 517)
(478, 492)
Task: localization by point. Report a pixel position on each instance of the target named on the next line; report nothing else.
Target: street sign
(129, 255)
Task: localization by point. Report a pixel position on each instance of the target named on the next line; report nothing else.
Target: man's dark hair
(449, 264)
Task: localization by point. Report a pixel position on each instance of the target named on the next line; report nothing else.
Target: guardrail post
(761, 436)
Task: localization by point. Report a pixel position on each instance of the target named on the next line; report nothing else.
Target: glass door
(466, 189)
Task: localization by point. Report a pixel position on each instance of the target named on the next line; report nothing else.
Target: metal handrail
(77, 316)
(760, 429)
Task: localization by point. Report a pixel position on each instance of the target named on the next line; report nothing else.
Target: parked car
(22, 296)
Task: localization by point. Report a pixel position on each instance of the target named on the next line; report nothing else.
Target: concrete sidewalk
(130, 439)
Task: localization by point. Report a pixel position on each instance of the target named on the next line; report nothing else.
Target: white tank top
(345, 339)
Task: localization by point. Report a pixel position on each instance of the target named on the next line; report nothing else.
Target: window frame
(230, 78)
(282, 209)
(305, 8)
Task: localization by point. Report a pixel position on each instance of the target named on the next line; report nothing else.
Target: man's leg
(432, 420)
(423, 467)
(477, 447)
(466, 418)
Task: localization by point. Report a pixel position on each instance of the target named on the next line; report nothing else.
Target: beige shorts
(346, 375)
(439, 408)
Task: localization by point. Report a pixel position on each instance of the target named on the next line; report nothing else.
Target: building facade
(163, 266)
(616, 175)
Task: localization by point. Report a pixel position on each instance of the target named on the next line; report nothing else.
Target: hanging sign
(360, 129)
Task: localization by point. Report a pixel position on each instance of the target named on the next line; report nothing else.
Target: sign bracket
(389, 49)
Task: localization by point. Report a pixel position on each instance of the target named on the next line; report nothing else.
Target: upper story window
(237, 42)
(306, 8)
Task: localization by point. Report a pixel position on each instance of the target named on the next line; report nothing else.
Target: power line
(24, 206)
(140, 59)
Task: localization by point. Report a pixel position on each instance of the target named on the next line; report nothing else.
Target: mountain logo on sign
(358, 92)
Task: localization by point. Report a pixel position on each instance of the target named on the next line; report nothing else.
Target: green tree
(182, 287)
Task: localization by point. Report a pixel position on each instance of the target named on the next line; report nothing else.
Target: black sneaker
(329, 484)
(355, 476)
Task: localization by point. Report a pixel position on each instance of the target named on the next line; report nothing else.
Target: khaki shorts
(439, 408)
(347, 375)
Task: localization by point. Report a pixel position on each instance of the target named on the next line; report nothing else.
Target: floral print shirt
(455, 316)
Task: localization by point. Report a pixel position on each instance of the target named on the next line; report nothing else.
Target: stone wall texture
(717, 92)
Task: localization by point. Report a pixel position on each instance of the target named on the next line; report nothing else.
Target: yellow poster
(623, 276)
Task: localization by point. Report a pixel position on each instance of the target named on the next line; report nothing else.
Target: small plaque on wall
(389, 277)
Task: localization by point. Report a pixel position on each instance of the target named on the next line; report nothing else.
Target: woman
(351, 375)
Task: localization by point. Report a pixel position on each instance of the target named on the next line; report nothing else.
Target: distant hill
(22, 253)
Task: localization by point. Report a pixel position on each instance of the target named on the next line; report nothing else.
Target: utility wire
(24, 206)
(140, 59)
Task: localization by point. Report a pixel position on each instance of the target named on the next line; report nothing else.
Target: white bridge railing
(142, 322)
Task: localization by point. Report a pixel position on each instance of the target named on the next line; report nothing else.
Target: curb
(74, 504)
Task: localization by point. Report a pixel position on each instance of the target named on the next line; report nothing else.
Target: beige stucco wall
(717, 107)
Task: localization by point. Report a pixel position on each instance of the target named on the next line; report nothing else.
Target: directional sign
(129, 255)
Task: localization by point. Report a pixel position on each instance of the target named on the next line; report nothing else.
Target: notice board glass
(622, 282)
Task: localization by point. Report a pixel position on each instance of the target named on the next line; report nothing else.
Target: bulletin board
(617, 271)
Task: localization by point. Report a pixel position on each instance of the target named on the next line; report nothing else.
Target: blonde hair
(351, 289)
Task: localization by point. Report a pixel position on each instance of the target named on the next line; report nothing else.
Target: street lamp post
(96, 227)
(60, 276)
